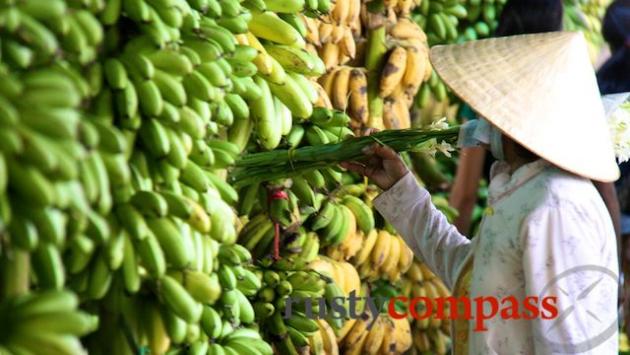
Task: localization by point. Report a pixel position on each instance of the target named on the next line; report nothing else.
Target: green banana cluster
(36, 32)
(44, 320)
(291, 333)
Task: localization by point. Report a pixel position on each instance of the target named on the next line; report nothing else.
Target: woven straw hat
(539, 90)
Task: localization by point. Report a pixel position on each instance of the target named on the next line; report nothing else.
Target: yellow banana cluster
(383, 255)
(406, 67)
(333, 36)
(431, 333)
(387, 336)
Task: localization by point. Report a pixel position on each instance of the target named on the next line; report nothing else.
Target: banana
(414, 70)
(115, 74)
(267, 123)
(381, 249)
(406, 256)
(297, 60)
(284, 114)
(177, 253)
(363, 213)
(48, 266)
(211, 322)
(152, 255)
(269, 26)
(393, 71)
(178, 300)
(340, 88)
(392, 257)
(375, 337)
(328, 336)
(283, 6)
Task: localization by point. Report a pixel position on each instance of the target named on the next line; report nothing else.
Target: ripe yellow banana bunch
(383, 255)
(347, 88)
(400, 8)
(406, 67)
(330, 346)
(420, 281)
(386, 336)
(343, 273)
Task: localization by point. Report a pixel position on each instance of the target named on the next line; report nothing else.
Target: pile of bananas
(44, 320)
(388, 335)
(383, 255)
(333, 36)
(586, 16)
(296, 333)
(429, 334)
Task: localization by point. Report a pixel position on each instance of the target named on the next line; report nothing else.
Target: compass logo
(583, 293)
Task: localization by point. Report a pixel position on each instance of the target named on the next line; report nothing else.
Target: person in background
(613, 77)
(517, 17)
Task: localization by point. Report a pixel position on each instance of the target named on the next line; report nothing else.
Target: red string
(277, 195)
(276, 241)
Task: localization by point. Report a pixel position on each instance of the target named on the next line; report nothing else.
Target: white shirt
(550, 235)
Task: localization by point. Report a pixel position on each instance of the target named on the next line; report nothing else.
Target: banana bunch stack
(405, 68)
(387, 336)
(182, 307)
(429, 334)
(382, 255)
(342, 273)
(586, 16)
(448, 21)
(44, 320)
(296, 333)
(333, 36)
(37, 32)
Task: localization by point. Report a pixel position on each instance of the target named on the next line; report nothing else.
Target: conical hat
(538, 89)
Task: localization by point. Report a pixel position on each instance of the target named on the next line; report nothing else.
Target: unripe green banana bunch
(453, 21)
(45, 319)
(295, 287)
(36, 31)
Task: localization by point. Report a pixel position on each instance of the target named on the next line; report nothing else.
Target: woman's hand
(382, 165)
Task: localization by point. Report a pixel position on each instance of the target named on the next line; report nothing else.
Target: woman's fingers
(355, 167)
(385, 152)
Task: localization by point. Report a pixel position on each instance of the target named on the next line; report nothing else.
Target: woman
(547, 232)
(614, 78)
(517, 17)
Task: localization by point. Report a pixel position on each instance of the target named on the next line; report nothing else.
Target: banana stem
(375, 58)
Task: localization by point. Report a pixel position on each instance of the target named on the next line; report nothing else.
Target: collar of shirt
(502, 183)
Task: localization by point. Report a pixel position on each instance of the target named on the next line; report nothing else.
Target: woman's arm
(464, 191)
(409, 209)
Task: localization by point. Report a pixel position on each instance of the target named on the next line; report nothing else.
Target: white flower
(431, 147)
(438, 125)
(445, 148)
(619, 123)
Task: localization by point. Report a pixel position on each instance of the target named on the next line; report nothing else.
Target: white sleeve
(567, 255)
(425, 229)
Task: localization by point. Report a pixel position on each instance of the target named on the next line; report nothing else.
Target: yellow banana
(375, 337)
(406, 256)
(358, 96)
(263, 61)
(392, 257)
(340, 88)
(330, 55)
(414, 70)
(328, 335)
(381, 249)
(393, 71)
(366, 248)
